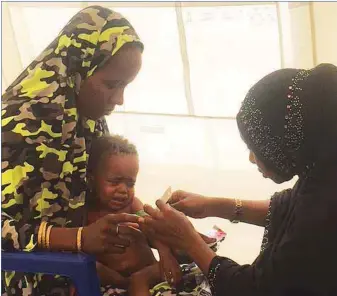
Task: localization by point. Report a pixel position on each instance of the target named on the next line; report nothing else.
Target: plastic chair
(80, 268)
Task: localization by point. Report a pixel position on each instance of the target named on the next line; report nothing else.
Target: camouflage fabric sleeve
(31, 160)
(11, 230)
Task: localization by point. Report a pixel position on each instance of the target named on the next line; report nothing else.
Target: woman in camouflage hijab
(50, 114)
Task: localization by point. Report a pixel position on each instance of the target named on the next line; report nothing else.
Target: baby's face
(115, 181)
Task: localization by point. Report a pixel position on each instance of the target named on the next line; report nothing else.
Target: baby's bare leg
(143, 280)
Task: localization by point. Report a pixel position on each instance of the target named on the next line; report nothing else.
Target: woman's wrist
(220, 207)
(250, 211)
(162, 249)
(63, 239)
(201, 253)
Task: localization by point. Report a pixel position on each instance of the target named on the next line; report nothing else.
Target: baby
(112, 174)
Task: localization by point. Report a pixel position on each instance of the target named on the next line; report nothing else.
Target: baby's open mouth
(117, 204)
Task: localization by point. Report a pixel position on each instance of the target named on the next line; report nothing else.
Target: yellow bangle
(79, 239)
(48, 236)
(44, 245)
(41, 234)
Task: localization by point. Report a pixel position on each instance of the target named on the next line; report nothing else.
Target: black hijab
(288, 119)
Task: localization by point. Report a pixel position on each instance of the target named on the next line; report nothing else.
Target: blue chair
(80, 268)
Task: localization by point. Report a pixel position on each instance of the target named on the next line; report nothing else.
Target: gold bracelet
(48, 236)
(40, 234)
(44, 230)
(237, 211)
(79, 239)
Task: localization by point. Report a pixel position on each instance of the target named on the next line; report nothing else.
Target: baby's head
(112, 172)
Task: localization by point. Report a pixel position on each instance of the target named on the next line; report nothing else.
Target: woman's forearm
(253, 211)
(201, 254)
(63, 239)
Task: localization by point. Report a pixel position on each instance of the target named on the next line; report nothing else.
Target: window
(229, 49)
(162, 63)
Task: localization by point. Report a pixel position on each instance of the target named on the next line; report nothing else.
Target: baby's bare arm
(109, 276)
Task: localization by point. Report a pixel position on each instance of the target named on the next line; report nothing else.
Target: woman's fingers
(179, 206)
(154, 213)
(176, 196)
(153, 227)
(126, 229)
(148, 231)
(157, 213)
(129, 224)
(121, 242)
(113, 249)
(162, 206)
(121, 218)
(131, 233)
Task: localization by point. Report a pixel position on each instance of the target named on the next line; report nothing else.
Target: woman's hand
(169, 226)
(110, 234)
(191, 204)
(175, 230)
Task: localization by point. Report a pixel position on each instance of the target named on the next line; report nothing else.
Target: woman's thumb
(176, 197)
(179, 206)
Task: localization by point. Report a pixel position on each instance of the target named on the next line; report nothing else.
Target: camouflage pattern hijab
(45, 143)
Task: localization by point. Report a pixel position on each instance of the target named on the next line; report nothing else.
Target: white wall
(301, 35)
(313, 33)
(325, 30)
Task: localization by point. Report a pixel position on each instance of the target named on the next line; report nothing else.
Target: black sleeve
(278, 209)
(302, 263)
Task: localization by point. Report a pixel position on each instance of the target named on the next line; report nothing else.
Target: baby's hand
(170, 267)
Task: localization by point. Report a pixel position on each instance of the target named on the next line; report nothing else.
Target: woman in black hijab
(289, 122)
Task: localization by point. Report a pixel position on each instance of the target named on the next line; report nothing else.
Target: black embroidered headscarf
(289, 120)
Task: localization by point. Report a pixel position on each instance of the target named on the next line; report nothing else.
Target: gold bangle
(79, 239)
(48, 236)
(40, 234)
(44, 245)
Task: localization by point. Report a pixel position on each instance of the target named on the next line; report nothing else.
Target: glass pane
(229, 49)
(159, 87)
(36, 27)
